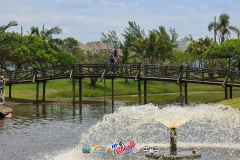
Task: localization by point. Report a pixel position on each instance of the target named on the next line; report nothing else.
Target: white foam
(200, 125)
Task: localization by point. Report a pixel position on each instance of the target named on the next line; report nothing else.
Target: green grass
(235, 102)
(157, 92)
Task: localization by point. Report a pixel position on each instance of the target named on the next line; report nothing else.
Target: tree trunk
(93, 81)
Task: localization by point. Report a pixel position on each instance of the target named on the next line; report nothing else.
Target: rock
(5, 110)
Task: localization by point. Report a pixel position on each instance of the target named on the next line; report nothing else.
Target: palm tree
(4, 37)
(47, 34)
(10, 24)
(198, 48)
(223, 27)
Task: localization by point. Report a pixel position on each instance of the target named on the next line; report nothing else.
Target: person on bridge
(114, 57)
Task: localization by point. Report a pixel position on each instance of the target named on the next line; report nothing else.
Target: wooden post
(139, 92)
(44, 91)
(37, 91)
(139, 84)
(181, 97)
(44, 113)
(145, 91)
(37, 110)
(2, 90)
(186, 94)
(112, 95)
(74, 109)
(80, 89)
(104, 91)
(226, 92)
(230, 96)
(80, 96)
(10, 91)
(73, 91)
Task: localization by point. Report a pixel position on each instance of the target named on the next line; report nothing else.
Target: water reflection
(40, 129)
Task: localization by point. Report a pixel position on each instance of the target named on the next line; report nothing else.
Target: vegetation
(231, 102)
(223, 27)
(157, 92)
(40, 48)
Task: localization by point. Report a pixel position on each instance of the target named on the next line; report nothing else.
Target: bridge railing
(159, 71)
(55, 72)
(104, 70)
(127, 70)
(135, 71)
(233, 78)
(17, 76)
(203, 75)
(87, 70)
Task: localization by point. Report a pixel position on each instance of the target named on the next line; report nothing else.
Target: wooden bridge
(139, 72)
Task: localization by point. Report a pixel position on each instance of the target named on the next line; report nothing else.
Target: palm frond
(10, 24)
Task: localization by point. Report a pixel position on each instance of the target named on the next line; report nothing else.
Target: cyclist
(114, 57)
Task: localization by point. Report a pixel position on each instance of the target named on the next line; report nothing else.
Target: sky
(85, 20)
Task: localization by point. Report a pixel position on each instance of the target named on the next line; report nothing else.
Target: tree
(111, 39)
(125, 46)
(159, 46)
(70, 45)
(161, 31)
(228, 51)
(174, 34)
(9, 41)
(181, 58)
(148, 49)
(198, 48)
(98, 58)
(187, 38)
(132, 34)
(3, 28)
(223, 27)
(64, 58)
(139, 47)
(32, 51)
(5, 38)
(134, 30)
(47, 34)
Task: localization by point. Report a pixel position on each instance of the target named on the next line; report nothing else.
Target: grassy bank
(157, 92)
(235, 102)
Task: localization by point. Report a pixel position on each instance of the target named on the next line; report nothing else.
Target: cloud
(85, 20)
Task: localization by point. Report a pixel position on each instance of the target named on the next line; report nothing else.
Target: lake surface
(34, 131)
(57, 131)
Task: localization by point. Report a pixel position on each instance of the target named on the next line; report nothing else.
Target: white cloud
(85, 20)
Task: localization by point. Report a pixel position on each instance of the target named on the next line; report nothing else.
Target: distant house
(182, 45)
(99, 47)
(85, 48)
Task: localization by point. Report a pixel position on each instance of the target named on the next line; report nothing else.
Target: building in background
(85, 48)
(99, 47)
(182, 45)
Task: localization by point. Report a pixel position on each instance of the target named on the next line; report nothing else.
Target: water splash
(199, 126)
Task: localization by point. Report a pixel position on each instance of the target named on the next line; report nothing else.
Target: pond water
(58, 132)
(34, 131)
